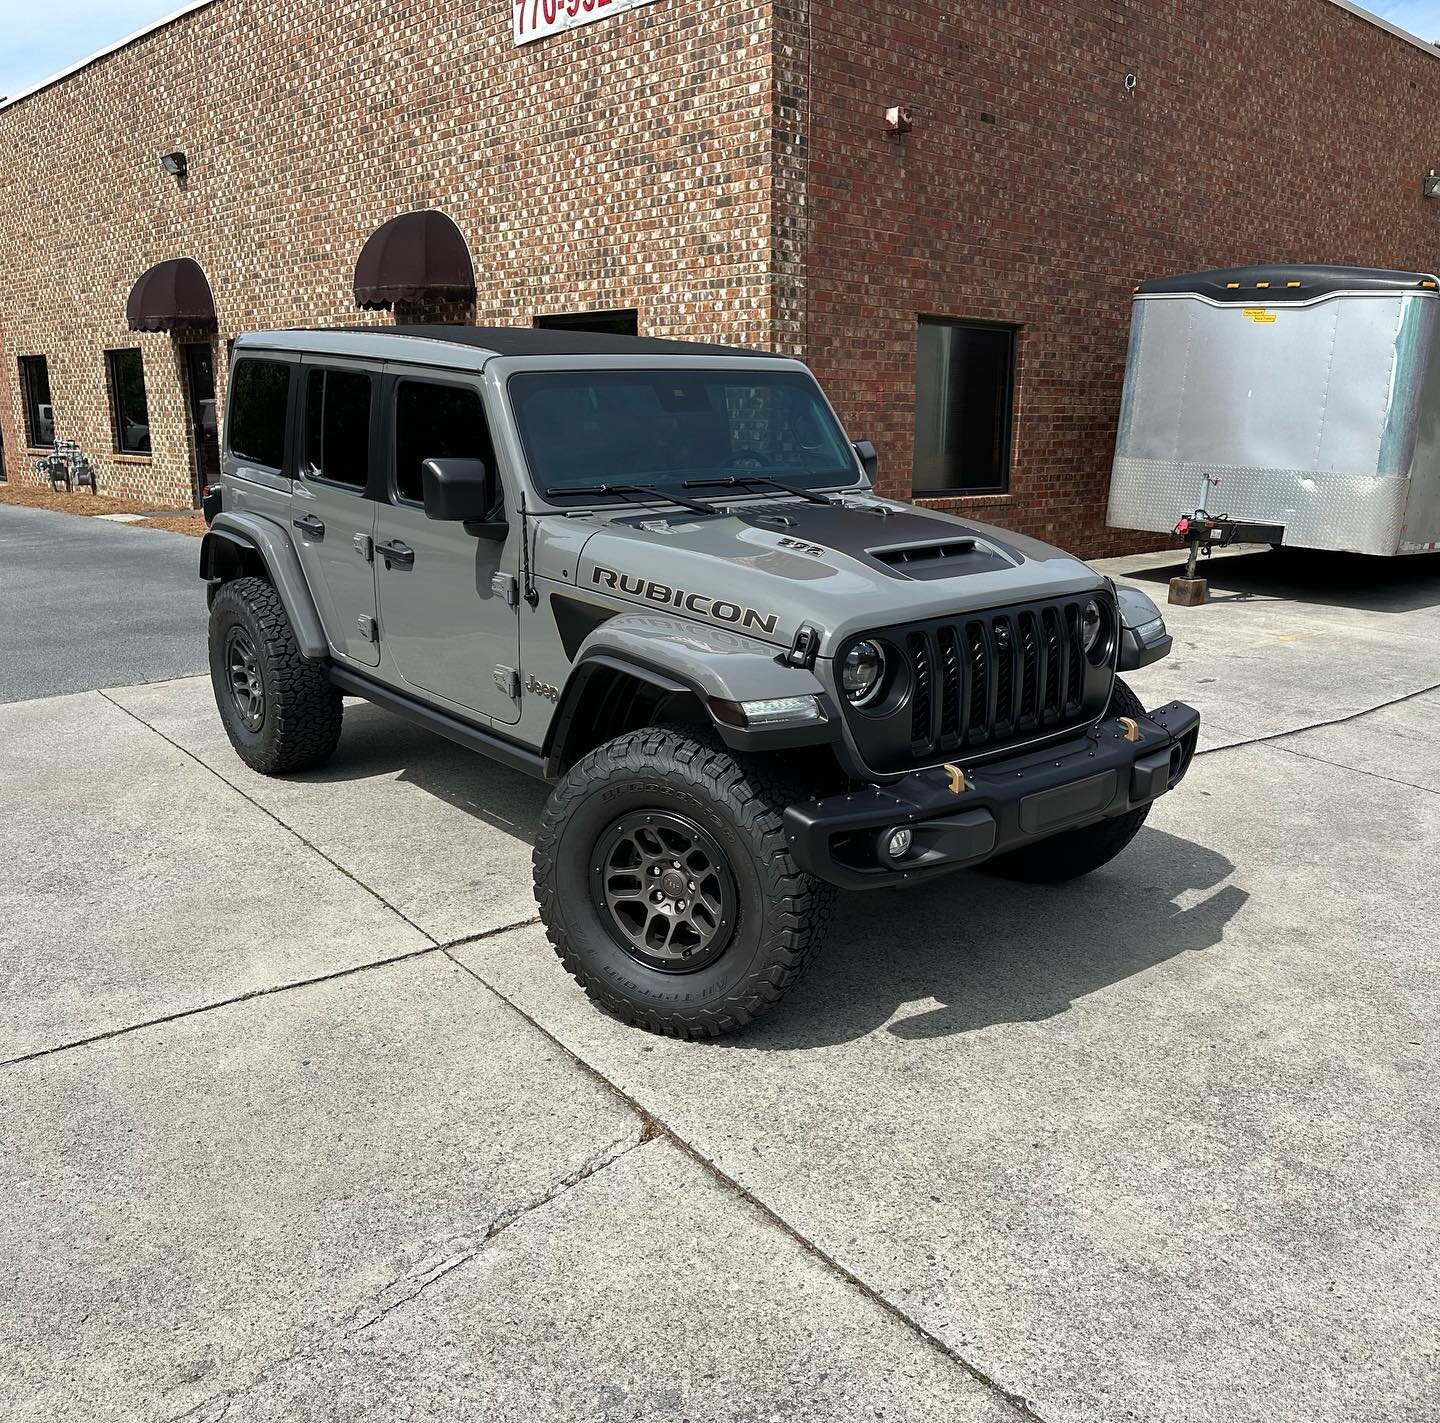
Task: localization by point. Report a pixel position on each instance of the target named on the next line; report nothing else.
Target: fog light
(898, 842)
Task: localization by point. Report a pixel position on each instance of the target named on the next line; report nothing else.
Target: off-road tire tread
(802, 906)
(1074, 853)
(306, 708)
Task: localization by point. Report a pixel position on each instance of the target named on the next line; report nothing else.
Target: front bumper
(1002, 806)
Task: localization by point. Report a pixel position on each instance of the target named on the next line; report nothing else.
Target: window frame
(31, 406)
(423, 376)
(327, 367)
(117, 420)
(286, 468)
(1006, 459)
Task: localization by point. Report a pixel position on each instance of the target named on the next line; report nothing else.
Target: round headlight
(861, 672)
(1092, 627)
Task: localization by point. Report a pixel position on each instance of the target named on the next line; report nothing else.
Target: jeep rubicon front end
(656, 575)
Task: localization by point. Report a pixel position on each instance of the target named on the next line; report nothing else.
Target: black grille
(982, 681)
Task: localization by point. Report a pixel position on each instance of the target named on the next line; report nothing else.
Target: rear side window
(257, 412)
(436, 422)
(337, 427)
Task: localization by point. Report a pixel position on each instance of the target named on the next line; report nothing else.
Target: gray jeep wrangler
(655, 574)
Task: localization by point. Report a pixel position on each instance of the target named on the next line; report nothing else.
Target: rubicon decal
(701, 604)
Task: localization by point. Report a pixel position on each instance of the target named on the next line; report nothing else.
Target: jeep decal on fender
(699, 603)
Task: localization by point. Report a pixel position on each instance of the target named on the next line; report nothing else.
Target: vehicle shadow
(1335, 580)
(972, 951)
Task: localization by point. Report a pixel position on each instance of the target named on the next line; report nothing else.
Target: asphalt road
(85, 603)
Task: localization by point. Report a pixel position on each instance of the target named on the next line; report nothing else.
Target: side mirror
(869, 460)
(458, 490)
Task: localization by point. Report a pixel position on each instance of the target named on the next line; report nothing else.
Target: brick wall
(1035, 190)
(724, 170)
(627, 164)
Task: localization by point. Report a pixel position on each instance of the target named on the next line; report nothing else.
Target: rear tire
(1073, 853)
(742, 921)
(278, 710)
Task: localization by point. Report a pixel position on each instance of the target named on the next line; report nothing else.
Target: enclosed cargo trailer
(1307, 397)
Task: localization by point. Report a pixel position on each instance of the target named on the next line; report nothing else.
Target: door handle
(309, 524)
(394, 551)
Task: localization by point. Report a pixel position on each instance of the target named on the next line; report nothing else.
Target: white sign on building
(534, 19)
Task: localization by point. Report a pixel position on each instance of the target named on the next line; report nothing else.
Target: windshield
(667, 427)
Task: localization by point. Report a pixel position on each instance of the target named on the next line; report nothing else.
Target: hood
(765, 567)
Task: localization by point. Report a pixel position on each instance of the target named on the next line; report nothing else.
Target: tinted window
(669, 426)
(337, 427)
(964, 376)
(35, 392)
(616, 323)
(436, 422)
(257, 412)
(129, 410)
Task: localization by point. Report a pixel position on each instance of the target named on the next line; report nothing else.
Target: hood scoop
(939, 558)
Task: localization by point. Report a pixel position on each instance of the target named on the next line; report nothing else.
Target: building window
(434, 422)
(616, 323)
(129, 409)
(337, 427)
(964, 387)
(35, 395)
(260, 396)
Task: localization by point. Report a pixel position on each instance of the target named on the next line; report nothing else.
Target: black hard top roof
(1285, 283)
(546, 341)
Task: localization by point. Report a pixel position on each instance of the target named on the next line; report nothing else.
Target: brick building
(722, 171)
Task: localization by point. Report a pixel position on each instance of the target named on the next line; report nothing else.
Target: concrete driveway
(303, 1120)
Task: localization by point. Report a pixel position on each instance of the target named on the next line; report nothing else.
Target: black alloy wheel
(247, 689)
(665, 890)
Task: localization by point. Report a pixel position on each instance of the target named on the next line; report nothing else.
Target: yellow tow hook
(1132, 727)
(957, 779)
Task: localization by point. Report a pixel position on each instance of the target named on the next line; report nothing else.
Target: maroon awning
(418, 256)
(172, 296)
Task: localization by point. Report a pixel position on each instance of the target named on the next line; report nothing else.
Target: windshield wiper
(734, 481)
(648, 491)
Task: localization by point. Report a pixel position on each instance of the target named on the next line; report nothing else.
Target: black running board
(463, 733)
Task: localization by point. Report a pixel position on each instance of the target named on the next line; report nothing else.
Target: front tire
(1073, 853)
(278, 710)
(667, 888)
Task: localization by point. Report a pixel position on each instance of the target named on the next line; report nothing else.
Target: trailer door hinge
(508, 680)
(506, 586)
(365, 547)
(369, 628)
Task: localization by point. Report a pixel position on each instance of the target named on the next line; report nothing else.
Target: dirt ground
(84, 503)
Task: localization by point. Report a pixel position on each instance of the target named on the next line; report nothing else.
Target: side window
(39, 412)
(337, 427)
(435, 421)
(964, 385)
(256, 428)
(129, 410)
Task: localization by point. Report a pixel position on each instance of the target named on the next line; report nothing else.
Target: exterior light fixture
(174, 164)
(1432, 184)
(897, 119)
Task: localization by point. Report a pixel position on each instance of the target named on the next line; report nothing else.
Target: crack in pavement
(265, 810)
(407, 1288)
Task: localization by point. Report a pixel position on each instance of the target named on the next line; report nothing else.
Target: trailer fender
(249, 545)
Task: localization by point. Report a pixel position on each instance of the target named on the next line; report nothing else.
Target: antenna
(527, 577)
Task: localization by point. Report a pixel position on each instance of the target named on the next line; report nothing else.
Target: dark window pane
(257, 412)
(666, 427)
(963, 383)
(35, 394)
(436, 422)
(130, 409)
(337, 427)
(614, 323)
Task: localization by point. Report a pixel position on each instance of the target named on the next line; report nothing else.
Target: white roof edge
(1361, 13)
(108, 50)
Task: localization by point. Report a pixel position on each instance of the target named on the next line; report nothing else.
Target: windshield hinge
(506, 586)
(805, 648)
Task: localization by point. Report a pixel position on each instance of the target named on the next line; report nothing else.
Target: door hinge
(369, 628)
(507, 586)
(365, 547)
(508, 680)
